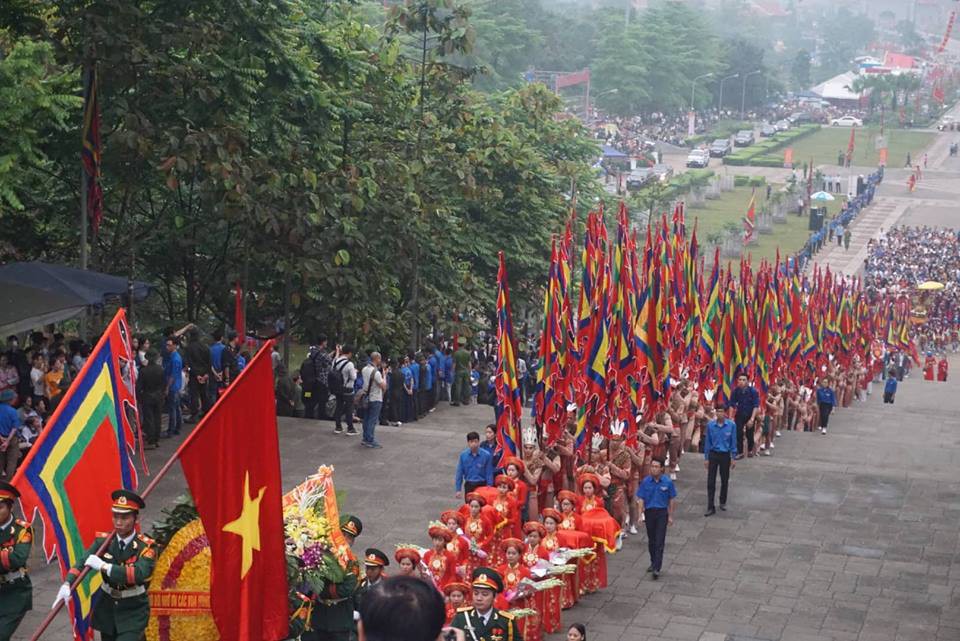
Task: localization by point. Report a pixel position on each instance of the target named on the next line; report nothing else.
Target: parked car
(720, 147)
(782, 125)
(800, 118)
(767, 130)
(744, 138)
(638, 178)
(662, 172)
(698, 158)
(846, 121)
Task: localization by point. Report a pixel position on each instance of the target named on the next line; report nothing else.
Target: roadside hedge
(763, 153)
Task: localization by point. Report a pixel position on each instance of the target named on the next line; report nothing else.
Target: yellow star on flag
(247, 526)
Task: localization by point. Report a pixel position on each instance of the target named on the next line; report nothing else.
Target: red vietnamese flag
(232, 465)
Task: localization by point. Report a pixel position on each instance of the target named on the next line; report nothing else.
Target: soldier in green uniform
(16, 539)
(332, 618)
(122, 611)
(481, 621)
(373, 563)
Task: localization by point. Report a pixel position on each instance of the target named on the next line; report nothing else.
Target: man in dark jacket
(151, 390)
(197, 360)
(313, 373)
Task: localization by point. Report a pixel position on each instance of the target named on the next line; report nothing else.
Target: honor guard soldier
(373, 563)
(483, 622)
(16, 539)
(332, 618)
(126, 565)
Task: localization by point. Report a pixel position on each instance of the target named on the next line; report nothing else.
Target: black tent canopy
(33, 294)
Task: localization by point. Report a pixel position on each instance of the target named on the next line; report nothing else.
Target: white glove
(94, 562)
(63, 594)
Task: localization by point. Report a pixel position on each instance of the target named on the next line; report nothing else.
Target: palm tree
(877, 86)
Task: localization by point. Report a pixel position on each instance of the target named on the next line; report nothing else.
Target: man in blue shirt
(415, 377)
(216, 356)
(474, 468)
(9, 429)
(173, 376)
(655, 499)
(743, 407)
(890, 387)
(719, 452)
(825, 402)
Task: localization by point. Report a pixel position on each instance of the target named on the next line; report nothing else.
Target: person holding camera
(371, 399)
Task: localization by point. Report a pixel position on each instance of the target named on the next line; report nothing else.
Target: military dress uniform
(372, 558)
(500, 626)
(332, 616)
(123, 607)
(16, 591)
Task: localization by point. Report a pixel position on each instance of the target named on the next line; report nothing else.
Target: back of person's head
(401, 608)
(347, 350)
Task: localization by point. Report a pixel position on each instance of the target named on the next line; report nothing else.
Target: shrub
(757, 181)
(767, 161)
(737, 160)
(741, 181)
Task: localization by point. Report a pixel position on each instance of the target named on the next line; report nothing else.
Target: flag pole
(266, 348)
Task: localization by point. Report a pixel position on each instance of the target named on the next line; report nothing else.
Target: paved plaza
(854, 536)
(850, 536)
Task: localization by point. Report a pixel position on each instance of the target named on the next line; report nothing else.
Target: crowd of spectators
(33, 379)
(904, 258)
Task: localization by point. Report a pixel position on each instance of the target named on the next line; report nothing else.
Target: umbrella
(822, 197)
(930, 285)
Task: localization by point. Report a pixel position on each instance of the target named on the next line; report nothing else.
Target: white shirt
(349, 373)
(36, 378)
(373, 389)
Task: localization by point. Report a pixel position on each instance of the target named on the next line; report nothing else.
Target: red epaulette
(146, 540)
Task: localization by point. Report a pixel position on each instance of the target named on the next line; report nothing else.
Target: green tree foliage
(35, 105)
(652, 60)
(800, 70)
(350, 174)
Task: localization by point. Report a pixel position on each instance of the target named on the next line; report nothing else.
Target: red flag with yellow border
(232, 465)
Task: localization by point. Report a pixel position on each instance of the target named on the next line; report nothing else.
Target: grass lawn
(732, 207)
(824, 145)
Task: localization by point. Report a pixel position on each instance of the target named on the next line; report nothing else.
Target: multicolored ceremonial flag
(90, 152)
(851, 145)
(84, 453)
(239, 502)
(749, 221)
(509, 407)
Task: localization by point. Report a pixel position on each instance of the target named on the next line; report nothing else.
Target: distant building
(837, 91)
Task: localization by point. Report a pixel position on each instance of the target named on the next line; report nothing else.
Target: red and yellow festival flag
(84, 453)
(90, 152)
(232, 464)
(509, 407)
(749, 221)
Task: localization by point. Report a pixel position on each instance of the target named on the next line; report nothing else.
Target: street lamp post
(693, 90)
(593, 100)
(743, 97)
(692, 116)
(720, 102)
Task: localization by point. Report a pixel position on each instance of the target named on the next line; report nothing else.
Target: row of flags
(649, 314)
(231, 462)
